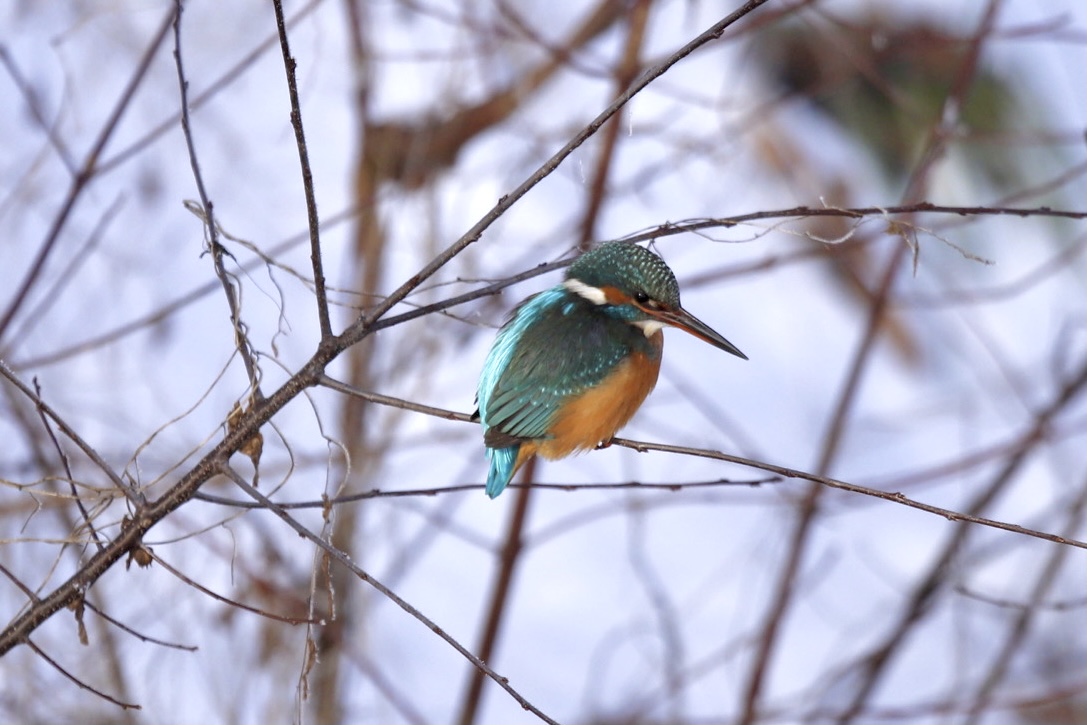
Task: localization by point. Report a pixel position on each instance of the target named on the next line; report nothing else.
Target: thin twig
(363, 326)
(377, 493)
(696, 225)
(892, 496)
(133, 494)
(389, 400)
(1017, 629)
(86, 172)
(664, 230)
(1068, 392)
(241, 339)
(227, 600)
(138, 635)
(67, 470)
(78, 682)
(231, 74)
(344, 560)
(33, 99)
(27, 591)
(289, 65)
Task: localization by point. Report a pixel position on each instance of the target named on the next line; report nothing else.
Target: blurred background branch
(882, 205)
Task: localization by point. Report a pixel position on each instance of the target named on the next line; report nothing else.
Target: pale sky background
(616, 587)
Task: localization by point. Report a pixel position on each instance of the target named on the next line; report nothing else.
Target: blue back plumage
(505, 344)
(565, 341)
(556, 346)
(498, 360)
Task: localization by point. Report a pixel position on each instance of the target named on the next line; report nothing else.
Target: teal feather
(502, 462)
(556, 346)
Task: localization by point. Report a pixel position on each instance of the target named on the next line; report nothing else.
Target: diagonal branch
(344, 560)
(1022, 442)
(363, 326)
(78, 682)
(664, 230)
(45, 410)
(87, 171)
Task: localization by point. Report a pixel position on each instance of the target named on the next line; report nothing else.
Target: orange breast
(597, 415)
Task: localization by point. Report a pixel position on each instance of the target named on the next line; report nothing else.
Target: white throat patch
(649, 327)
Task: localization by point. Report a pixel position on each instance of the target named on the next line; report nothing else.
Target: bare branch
(289, 64)
(363, 326)
(86, 172)
(344, 560)
(67, 470)
(131, 492)
(78, 682)
(241, 338)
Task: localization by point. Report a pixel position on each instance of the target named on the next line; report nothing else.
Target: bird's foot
(604, 444)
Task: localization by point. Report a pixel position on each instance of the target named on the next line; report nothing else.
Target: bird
(573, 363)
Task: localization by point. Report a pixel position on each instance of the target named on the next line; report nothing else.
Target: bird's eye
(643, 300)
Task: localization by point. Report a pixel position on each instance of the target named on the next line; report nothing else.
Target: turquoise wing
(554, 347)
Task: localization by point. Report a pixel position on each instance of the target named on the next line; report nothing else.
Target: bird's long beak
(684, 320)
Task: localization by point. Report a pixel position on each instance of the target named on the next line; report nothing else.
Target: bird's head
(634, 284)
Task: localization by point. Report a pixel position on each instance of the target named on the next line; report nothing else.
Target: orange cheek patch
(613, 296)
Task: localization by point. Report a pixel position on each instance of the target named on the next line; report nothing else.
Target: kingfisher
(574, 363)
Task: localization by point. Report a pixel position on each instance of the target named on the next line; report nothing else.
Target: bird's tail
(503, 466)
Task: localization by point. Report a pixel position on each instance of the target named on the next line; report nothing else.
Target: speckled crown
(627, 267)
